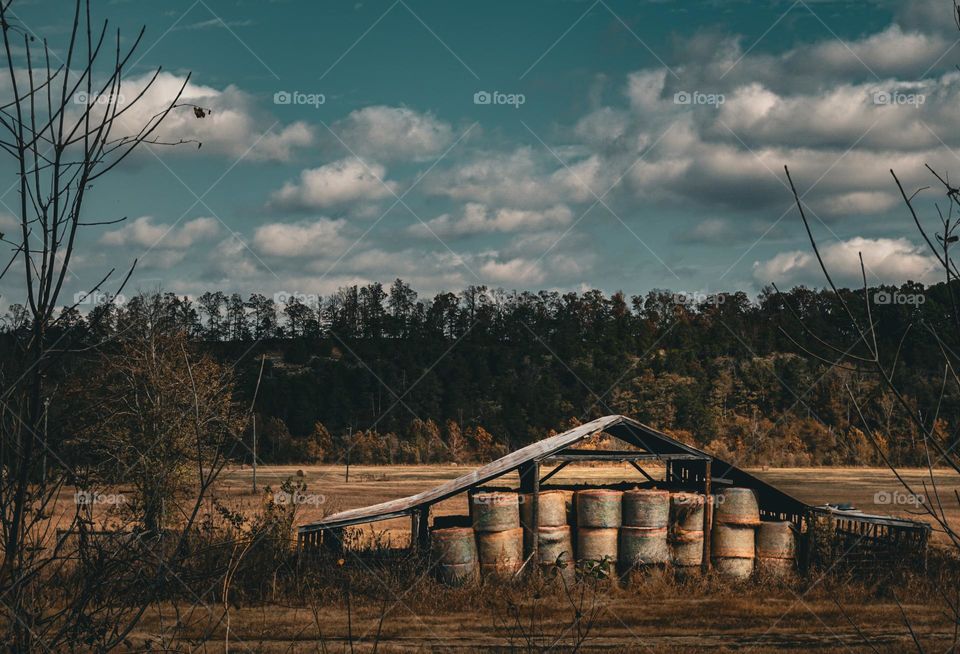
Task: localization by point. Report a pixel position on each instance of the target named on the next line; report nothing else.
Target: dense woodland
(379, 374)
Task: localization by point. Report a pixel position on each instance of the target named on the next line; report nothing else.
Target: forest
(378, 374)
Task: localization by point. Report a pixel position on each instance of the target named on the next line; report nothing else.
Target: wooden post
(535, 514)
(809, 541)
(707, 516)
(530, 485)
(423, 526)
(415, 531)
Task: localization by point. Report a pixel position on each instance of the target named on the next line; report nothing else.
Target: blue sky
(632, 146)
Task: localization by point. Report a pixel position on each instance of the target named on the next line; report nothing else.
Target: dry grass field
(651, 614)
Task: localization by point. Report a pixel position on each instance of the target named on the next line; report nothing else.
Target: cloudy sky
(564, 144)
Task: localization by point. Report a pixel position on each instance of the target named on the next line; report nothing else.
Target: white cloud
(886, 260)
(233, 127)
(389, 133)
(518, 178)
(514, 272)
(143, 232)
(341, 182)
(305, 238)
(478, 219)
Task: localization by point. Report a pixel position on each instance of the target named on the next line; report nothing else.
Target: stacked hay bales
(643, 534)
(496, 522)
(733, 546)
(598, 524)
(554, 538)
(686, 531)
(454, 550)
(776, 548)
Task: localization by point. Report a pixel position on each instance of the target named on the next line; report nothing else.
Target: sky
(566, 145)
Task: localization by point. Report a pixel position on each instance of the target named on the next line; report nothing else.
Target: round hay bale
(646, 507)
(599, 508)
(597, 544)
(686, 511)
(495, 512)
(737, 506)
(641, 546)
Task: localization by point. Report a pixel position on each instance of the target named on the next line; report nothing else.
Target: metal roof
(860, 516)
(626, 429)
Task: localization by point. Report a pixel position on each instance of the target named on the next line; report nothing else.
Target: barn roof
(656, 443)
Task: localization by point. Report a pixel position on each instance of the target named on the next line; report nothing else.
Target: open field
(652, 614)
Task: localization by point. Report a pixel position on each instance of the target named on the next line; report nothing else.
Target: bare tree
(65, 123)
(865, 354)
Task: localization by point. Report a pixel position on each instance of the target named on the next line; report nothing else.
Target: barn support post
(423, 528)
(415, 531)
(809, 541)
(333, 540)
(707, 515)
(530, 485)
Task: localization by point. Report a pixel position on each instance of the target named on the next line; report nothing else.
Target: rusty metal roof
(626, 429)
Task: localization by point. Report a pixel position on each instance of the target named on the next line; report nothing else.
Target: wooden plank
(423, 529)
(707, 517)
(643, 472)
(621, 456)
(550, 474)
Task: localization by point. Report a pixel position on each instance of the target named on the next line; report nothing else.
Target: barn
(682, 471)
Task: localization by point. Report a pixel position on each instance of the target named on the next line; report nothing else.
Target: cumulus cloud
(515, 271)
(479, 219)
(234, 126)
(144, 232)
(305, 238)
(886, 260)
(523, 177)
(341, 182)
(390, 133)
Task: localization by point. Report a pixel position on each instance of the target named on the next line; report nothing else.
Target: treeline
(390, 377)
